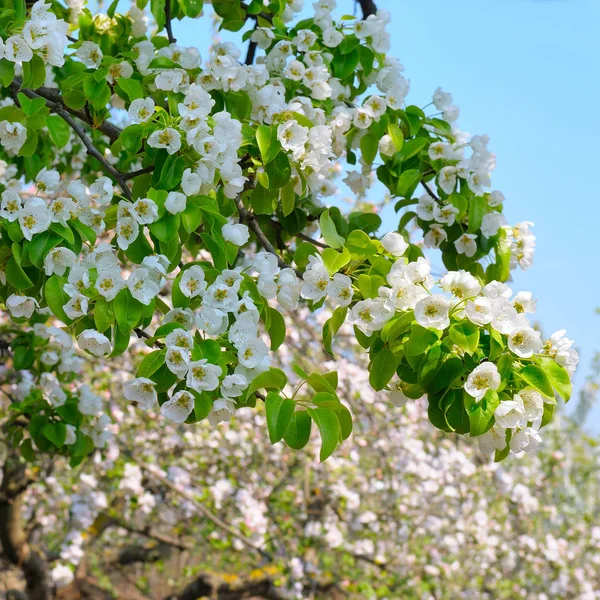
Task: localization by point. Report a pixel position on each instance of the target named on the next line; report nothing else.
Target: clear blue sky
(526, 73)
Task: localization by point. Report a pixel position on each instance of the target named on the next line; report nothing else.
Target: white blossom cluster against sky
(525, 72)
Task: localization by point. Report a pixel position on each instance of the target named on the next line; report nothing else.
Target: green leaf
(157, 8)
(559, 378)
(537, 378)
(15, 275)
(56, 297)
(191, 8)
(268, 144)
(329, 428)
(344, 65)
(332, 326)
(326, 400)
(191, 217)
(406, 218)
(329, 231)
(303, 251)
(30, 106)
(34, 73)
(112, 8)
(369, 285)
(360, 245)
(151, 363)
(172, 172)
(7, 72)
(420, 339)
(413, 147)
(369, 145)
(382, 368)
(202, 405)
(276, 328)
(298, 431)
(59, 131)
(288, 198)
(279, 414)
(397, 136)
(132, 88)
(273, 379)
(345, 419)
(408, 182)
(334, 260)
(478, 207)
(128, 310)
(481, 414)
(465, 335)
(279, 171)
(56, 433)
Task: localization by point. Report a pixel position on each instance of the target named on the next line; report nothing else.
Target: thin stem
(139, 172)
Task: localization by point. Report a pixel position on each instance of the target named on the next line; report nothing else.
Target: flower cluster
(182, 209)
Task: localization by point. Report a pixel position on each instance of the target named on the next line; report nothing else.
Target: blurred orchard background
(402, 510)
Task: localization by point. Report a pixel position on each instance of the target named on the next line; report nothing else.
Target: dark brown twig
(168, 25)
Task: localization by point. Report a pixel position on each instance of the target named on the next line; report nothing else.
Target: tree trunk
(13, 537)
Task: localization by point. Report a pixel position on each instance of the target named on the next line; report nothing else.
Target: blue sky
(525, 72)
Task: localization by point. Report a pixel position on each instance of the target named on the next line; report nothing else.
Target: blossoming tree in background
(150, 195)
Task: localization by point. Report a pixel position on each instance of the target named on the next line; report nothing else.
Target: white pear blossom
(141, 110)
(492, 440)
(236, 233)
(12, 135)
(203, 376)
(127, 232)
(21, 306)
(251, 353)
(175, 202)
(394, 243)
(177, 361)
(141, 390)
(109, 282)
(526, 439)
(94, 342)
(340, 289)
(221, 411)
(315, 283)
(525, 342)
(58, 260)
(510, 413)
(432, 312)
(179, 407)
(167, 138)
(483, 378)
(192, 282)
(479, 310)
(89, 54)
(212, 320)
(370, 315)
(466, 244)
(144, 211)
(34, 217)
(10, 206)
(142, 287)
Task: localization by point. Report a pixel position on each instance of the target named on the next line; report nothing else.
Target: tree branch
(14, 539)
(133, 174)
(250, 220)
(87, 142)
(53, 95)
(168, 25)
(201, 508)
(252, 46)
(368, 7)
